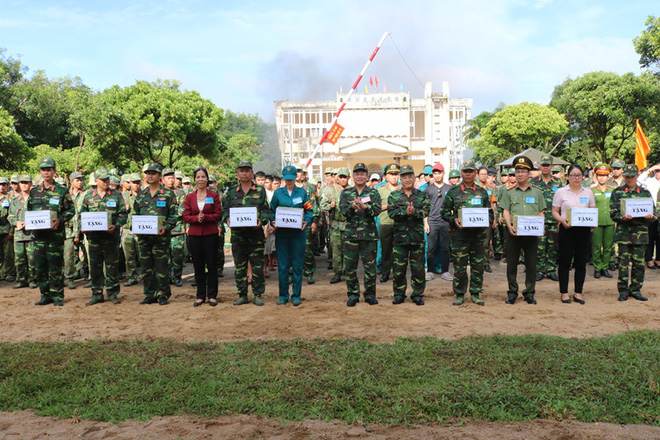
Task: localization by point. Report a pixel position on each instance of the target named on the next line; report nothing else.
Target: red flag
(371, 81)
(642, 148)
(376, 80)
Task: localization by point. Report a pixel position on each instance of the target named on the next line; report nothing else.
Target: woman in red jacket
(202, 212)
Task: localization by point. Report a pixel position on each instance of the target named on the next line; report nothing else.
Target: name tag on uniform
(297, 200)
(530, 199)
(365, 199)
(584, 200)
(111, 204)
(5, 204)
(490, 193)
(476, 201)
(608, 195)
(208, 200)
(54, 201)
(554, 188)
(161, 203)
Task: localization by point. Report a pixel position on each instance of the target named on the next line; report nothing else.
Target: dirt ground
(323, 314)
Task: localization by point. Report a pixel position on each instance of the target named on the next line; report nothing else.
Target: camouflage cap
(124, 178)
(186, 180)
(360, 167)
(343, 171)
(391, 169)
(14, 178)
(469, 165)
(511, 172)
(314, 180)
(557, 169)
(407, 169)
(47, 162)
(101, 174)
(602, 169)
(454, 173)
(61, 181)
(114, 180)
(76, 175)
(167, 172)
(618, 163)
(630, 170)
(245, 163)
(4, 181)
(329, 170)
(24, 178)
(92, 180)
(523, 162)
(546, 159)
(153, 167)
(213, 178)
(135, 177)
(178, 174)
(537, 165)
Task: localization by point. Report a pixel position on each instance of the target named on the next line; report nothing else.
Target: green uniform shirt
(548, 189)
(527, 202)
(5, 205)
(256, 196)
(332, 194)
(384, 217)
(17, 213)
(635, 231)
(73, 226)
(162, 204)
(180, 197)
(314, 200)
(360, 223)
(129, 199)
(603, 204)
(55, 198)
(112, 202)
(462, 196)
(408, 229)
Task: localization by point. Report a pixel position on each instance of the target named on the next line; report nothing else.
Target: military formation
(395, 222)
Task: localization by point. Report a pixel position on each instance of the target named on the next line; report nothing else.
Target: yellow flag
(642, 148)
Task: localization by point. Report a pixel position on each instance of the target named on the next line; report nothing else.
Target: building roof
(534, 155)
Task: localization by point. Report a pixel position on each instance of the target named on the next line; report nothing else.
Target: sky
(243, 55)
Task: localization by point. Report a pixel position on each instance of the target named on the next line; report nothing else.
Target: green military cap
(167, 171)
(546, 159)
(153, 167)
(360, 167)
(47, 162)
(314, 180)
(61, 181)
(24, 178)
(186, 180)
(407, 169)
(135, 177)
(101, 174)
(114, 180)
(391, 168)
(537, 165)
(92, 180)
(454, 173)
(4, 181)
(630, 170)
(301, 167)
(469, 165)
(178, 174)
(557, 169)
(617, 163)
(124, 178)
(523, 162)
(14, 178)
(328, 170)
(144, 167)
(212, 178)
(245, 163)
(343, 171)
(511, 172)
(76, 175)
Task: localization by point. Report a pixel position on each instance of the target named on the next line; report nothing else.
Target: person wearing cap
(427, 174)
(7, 269)
(14, 187)
(386, 223)
(536, 170)
(247, 243)
(558, 173)
(616, 178)
(602, 237)
(526, 200)
(129, 242)
(49, 243)
(486, 183)
(631, 234)
(374, 180)
(408, 207)
(337, 222)
(546, 265)
(213, 186)
(178, 183)
(125, 183)
(454, 177)
(468, 245)
(290, 242)
(359, 204)
(650, 179)
(23, 244)
(72, 263)
(436, 227)
(153, 250)
(324, 241)
(186, 182)
(104, 245)
(178, 233)
(508, 183)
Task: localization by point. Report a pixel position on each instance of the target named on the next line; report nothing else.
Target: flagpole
(348, 97)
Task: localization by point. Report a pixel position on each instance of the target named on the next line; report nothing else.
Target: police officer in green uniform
(49, 243)
(602, 237)
(631, 234)
(7, 270)
(547, 254)
(468, 245)
(104, 245)
(526, 200)
(330, 203)
(247, 243)
(407, 207)
(359, 205)
(178, 240)
(23, 245)
(153, 250)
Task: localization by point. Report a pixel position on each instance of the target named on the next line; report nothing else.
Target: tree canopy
(647, 45)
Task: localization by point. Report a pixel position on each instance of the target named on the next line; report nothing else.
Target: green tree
(13, 149)
(11, 73)
(647, 45)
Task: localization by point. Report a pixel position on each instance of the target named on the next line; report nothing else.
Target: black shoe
(384, 278)
(44, 301)
(612, 267)
(554, 277)
(578, 300)
(149, 300)
(566, 301)
(335, 279)
(194, 284)
(497, 257)
(606, 274)
(639, 297)
(58, 302)
(329, 266)
(510, 300)
(539, 276)
(398, 300)
(597, 274)
(487, 268)
(178, 283)
(20, 285)
(352, 302)
(213, 302)
(198, 303)
(623, 297)
(371, 301)
(162, 301)
(530, 300)
(418, 301)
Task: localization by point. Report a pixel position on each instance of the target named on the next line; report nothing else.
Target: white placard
(582, 217)
(243, 217)
(291, 218)
(94, 221)
(529, 225)
(637, 207)
(145, 224)
(474, 218)
(36, 220)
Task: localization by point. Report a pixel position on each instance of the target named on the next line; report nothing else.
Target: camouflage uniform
(7, 269)
(309, 266)
(178, 241)
(104, 246)
(408, 241)
(360, 240)
(337, 228)
(23, 245)
(547, 252)
(129, 241)
(71, 249)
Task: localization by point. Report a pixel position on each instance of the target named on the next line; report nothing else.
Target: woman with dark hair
(574, 241)
(202, 212)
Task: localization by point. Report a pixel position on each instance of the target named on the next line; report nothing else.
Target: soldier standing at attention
(154, 249)
(247, 243)
(23, 245)
(49, 243)
(104, 245)
(632, 235)
(468, 245)
(408, 207)
(386, 223)
(128, 239)
(359, 204)
(330, 203)
(617, 179)
(522, 199)
(309, 266)
(178, 240)
(7, 269)
(72, 228)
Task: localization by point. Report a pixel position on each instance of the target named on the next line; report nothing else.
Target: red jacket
(212, 214)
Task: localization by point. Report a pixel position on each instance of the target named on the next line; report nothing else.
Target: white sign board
(291, 218)
(637, 207)
(145, 224)
(243, 217)
(529, 225)
(582, 217)
(35, 220)
(94, 221)
(474, 218)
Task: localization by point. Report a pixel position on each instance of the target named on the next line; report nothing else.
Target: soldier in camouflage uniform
(178, 240)
(7, 270)
(14, 188)
(309, 266)
(104, 245)
(72, 232)
(153, 250)
(23, 246)
(129, 242)
(359, 205)
(330, 204)
(632, 235)
(407, 207)
(213, 184)
(546, 264)
(247, 243)
(468, 245)
(49, 243)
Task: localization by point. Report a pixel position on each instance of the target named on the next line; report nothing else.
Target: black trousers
(435, 231)
(204, 252)
(654, 242)
(514, 246)
(574, 244)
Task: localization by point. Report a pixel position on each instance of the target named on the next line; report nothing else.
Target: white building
(379, 128)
